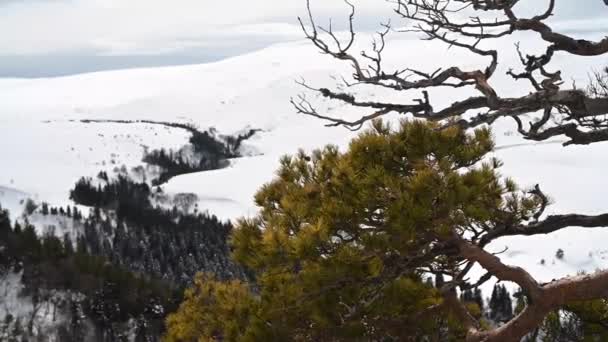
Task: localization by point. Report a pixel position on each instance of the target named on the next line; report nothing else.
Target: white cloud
(186, 28)
(36, 27)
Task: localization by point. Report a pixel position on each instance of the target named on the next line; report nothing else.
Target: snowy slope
(44, 152)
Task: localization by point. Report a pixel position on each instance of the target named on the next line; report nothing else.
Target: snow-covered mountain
(46, 147)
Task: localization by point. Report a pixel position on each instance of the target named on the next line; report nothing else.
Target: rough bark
(542, 298)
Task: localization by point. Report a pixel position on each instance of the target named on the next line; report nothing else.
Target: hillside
(47, 146)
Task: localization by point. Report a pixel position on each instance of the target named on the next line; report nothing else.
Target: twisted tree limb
(582, 115)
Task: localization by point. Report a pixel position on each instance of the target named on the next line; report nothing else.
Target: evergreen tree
(5, 223)
(6, 233)
(76, 214)
(439, 281)
(45, 208)
(478, 298)
(501, 306)
(18, 230)
(343, 242)
(68, 247)
(30, 206)
(30, 243)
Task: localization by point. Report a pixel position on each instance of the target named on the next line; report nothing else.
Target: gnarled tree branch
(582, 114)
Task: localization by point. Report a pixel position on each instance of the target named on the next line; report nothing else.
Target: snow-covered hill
(45, 148)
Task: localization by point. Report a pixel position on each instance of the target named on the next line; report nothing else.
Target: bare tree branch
(583, 115)
(549, 225)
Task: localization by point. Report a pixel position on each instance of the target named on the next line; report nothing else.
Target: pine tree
(507, 304)
(336, 230)
(7, 246)
(501, 305)
(30, 206)
(478, 298)
(18, 230)
(5, 222)
(67, 244)
(30, 243)
(439, 281)
(76, 214)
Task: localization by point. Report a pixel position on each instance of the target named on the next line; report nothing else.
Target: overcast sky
(58, 37)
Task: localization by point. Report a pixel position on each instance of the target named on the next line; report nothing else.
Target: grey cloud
(60, 37)
(75, 62)
(64, 65)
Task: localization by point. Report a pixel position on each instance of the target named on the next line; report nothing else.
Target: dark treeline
(126, 197)
(208, 153)
(189, 127)
(235, 142)
(125, 228)
(100, 293)
(72, 212)
(127, 262)
(208, 144)
(211, 151)
(499, 308)
(163, 243)
(501, 305)
(473, 296)
(178, 163)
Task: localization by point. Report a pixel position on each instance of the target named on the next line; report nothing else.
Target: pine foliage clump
(344, 240)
